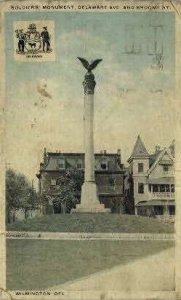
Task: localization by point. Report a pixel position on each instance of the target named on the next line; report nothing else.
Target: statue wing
(84, 62)
(94, 64)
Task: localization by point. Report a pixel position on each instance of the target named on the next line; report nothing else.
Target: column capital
(89, 83)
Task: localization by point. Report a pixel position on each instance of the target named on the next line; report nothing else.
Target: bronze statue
(89, 66)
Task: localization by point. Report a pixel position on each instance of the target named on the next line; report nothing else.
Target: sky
(132, 96)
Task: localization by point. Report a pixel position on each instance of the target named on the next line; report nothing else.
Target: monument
(89, 198)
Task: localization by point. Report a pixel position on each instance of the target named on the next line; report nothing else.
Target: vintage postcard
(90, 153)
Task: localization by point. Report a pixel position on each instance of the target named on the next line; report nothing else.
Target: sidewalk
(88, 236)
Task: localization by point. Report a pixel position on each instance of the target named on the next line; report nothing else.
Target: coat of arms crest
(33, 40)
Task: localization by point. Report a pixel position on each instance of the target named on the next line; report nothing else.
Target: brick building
(109, 176)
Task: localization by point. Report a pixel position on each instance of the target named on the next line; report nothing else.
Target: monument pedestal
(89, 200)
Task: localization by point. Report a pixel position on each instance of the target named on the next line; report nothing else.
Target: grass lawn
(35, 264)
(93, 223)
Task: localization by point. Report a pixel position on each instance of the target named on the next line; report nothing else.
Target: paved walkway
(153, 273)
(88, 236)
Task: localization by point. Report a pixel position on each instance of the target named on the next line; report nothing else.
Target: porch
(161, 188)
(156, 208)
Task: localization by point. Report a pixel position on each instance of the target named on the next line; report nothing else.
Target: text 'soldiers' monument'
(89, 198)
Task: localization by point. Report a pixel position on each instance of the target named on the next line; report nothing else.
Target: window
(155, 188)
(140, 167)
(141, 188)
(61, 163)
(79, 166)
(103, 165)
(112, 181)
(165, 168)
(162, 188)
(172, 188)
(53, 181)
(167, 188)
(172, 210)
(158, 210)
(61, 166)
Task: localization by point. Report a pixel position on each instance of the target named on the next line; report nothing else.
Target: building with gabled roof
(151, 178)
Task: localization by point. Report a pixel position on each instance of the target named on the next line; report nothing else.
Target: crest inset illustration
(34, 40)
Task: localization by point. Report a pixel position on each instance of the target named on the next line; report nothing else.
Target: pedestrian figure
(21, 40)
(46, 39)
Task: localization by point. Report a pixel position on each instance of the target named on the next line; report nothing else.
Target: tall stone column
(89, 85)
(89, 198)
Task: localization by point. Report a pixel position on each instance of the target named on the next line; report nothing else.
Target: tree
(19, 194)
(128, 201)
(67, 191)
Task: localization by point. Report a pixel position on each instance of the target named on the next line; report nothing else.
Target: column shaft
(89, 137)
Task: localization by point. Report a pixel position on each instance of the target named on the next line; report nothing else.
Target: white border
(176, 6)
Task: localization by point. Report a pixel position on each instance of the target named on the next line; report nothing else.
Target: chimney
(41, 166)
(105, 152)
(157, 148)
(119, 156)
(119, 152)
(45, 155)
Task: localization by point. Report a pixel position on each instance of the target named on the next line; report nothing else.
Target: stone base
(89, 200)
(93, 209)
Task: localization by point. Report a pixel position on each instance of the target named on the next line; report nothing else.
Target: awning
(161, 180)
(165, 162)
(156, 203)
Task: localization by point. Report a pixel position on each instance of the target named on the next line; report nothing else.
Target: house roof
(139, 150)
(154, 156)
(159, 159)
(161, 180)
(81, 154)
(172, 148)
(52, 161)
